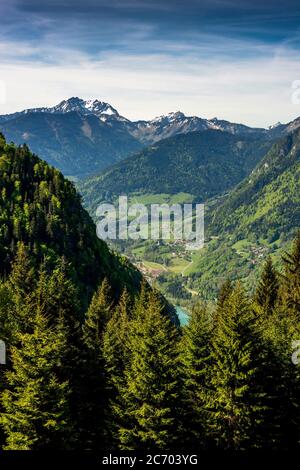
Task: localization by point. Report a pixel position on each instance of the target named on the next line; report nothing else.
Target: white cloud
(255, 89)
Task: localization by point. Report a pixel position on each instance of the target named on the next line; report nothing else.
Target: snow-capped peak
(86, 106)
(99, 108)
(66, 106)
(275, 125)
(169, 117)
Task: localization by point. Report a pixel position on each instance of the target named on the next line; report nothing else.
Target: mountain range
(77, 137)
(201, 165)
(250, 186)
(248, 177)
(83, 137)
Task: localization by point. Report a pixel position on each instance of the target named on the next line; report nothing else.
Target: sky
(232, 59)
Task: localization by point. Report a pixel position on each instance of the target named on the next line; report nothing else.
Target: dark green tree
(116, 355)
(57, 297)
(21, 284)
(236, 402)
(267, 290)
(98, 314)
(35, 405)
(282, 379)
(224, 292)
(291, 278)
(148, 400)
(195, 361)
(115, 347)
(94, 400)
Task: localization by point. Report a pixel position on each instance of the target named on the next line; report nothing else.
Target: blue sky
(235, 60)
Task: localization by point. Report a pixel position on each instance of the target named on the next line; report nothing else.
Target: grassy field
(163, 198)
(178, 265)
(152, 265)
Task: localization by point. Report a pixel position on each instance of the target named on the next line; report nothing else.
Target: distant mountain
(102, 110)
(76, 143)
(149, 132)
(279, 130)
(83, 137)
(203, 164)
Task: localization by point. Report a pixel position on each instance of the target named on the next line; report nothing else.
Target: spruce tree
(282, 379)
(35, 404)
(267, 290)
(148, 399)
(115, 343)
(21, 283)
(22, 277)
(99, 313)
(236, 402)
(280, 331)
(7, 320)
(223, 294)
(116, 355)
(57, 297)
(195, 361)
(94, 400)
(291, 279)
(225, 291)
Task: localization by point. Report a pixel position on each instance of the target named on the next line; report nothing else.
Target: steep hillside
(41, 208)
(260, 216)
(267, 202)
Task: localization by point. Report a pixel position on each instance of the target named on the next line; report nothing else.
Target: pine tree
(94, 400)
(224, 292)
(279, 331)
(21, 283)
(57, 297)
(195, 372)
(99, 313)
(57, 293)
(236, 402)
(7, 320)
(22, 277)
(36, 412)
(141, 300)
(7, 335)
(116, 355)
(291, 278)
(147, 402)
(267, 290)
(282, 380)
(115, 343)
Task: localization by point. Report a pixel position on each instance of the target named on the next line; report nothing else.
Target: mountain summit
(99, 108)
(84, 137)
